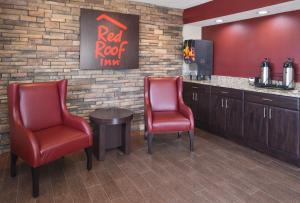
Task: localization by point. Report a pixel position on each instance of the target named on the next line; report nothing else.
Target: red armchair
(165, 110)
(42, 129)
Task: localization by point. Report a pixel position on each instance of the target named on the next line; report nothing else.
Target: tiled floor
(218, 171)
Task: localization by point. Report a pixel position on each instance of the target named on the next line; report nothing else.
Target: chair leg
(88, 152)
(145, 135)
(150, 138)
(13, 164)
(179, 134)
(35, 181)
(191, 135)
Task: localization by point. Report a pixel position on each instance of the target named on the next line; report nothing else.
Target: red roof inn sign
(108, 40)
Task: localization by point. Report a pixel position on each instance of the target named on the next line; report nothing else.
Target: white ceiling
(181, 4)
(278, 8)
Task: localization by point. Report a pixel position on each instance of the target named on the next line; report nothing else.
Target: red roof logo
(110, 19)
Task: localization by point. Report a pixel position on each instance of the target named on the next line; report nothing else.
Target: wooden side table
(111, 130)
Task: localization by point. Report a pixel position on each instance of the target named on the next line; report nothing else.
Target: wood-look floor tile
(46, 191)
(24, 192)
(217, 171)
(4, 164)
(283, 169)
(139, 181)
(184, 193)
(159, 170)
(78, 190)
(126, 185)
(262, 197)
(135, 197)
(187, 181)
(97, 194)
(234, 190)
(243, 185)
(63, 198)
(159, 160)
(138, 164)
(153, 179)
(150, 196)
(114, 170)
(120, 200)
(112, 190)
(282, 193)
(59, 185)
(103, 176)
(9, 189)
(209, 196)
(88, 178)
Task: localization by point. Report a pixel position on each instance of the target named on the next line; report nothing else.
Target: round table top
(112, 115)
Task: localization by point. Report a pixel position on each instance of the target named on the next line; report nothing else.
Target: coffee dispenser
(265, 77)
(198, 54)
(288, 74)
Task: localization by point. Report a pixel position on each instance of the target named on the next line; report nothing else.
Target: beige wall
(39, 41)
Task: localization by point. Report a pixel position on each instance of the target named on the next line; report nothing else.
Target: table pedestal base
(111, 136)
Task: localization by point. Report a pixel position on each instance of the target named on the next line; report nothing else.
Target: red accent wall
(218, 8)
(240, 47)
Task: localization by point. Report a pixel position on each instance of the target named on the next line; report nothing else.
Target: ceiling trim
(174, 3)
(217, 8)
(275, 9)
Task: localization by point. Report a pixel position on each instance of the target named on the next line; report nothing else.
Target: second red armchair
(165, 110)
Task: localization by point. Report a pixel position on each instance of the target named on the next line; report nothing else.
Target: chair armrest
(148, 115)
(77, 123)
(24, 144)
(187, 112)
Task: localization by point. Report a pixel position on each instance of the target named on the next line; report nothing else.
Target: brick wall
(39, 41)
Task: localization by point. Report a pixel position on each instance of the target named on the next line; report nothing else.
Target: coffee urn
(265, 72)
(288, 74)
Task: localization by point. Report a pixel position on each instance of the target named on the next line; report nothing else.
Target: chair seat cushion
(170, 121)
(58, 141)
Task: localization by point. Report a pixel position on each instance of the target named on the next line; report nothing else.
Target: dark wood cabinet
(234, 115)
(226, 112)
(272, 125)
(255, 123)
(266, 122)
(190, 97)
(197, 97)
(283, 125)
(203, 101)
(218, 115)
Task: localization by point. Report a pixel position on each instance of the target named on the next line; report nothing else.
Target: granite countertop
(242, 84)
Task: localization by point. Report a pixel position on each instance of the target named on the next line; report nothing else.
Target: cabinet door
(195, 106)
(234, 118)
(255, 125)
(187, 94)
(203, 110)
(190, 97)
(217, 122)
(283, 128)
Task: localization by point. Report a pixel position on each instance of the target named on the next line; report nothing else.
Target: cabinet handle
(265, 99)
(196, 96)
(193, 96)
(224, 92)
(226, 103)
(264, 112)
(222, 103)
(270, 113)
(194, 87)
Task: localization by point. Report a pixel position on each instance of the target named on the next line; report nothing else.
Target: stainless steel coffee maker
(265, 77)
(288, 74)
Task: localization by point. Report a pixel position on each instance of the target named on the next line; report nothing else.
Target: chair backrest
(163, 93)
(40, 105)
